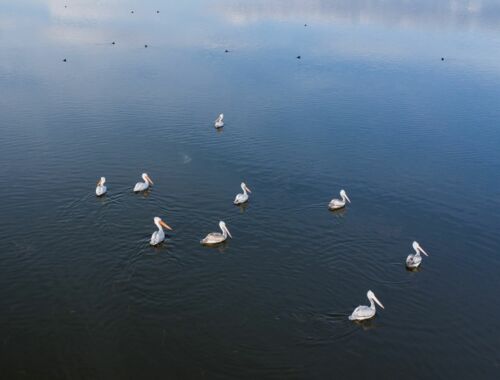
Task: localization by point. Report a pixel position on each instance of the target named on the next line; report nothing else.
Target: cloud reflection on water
(381, 30)
(463, 14)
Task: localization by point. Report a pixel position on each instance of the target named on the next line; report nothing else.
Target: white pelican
(335, 204)
(101, 189)
(219, 122)
(242, 198)
(366, 312)
(414, 261)
(217, 237)
(141, 186)
(159, 236)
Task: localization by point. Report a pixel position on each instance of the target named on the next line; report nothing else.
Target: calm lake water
(370, 107)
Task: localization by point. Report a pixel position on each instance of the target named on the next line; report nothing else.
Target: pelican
(242, 198)
(335, 204)
(366, 312)
(217, 237)
(100, 188)
(141, 186)
(219, 122)
(159, 236)
(414, 261)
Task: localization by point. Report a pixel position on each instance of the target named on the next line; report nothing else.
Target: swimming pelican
(141, 186)
(219, 122)
(101, 189)
(217, 237)
(159, 236)
(414, 261)
(366, 312)
(335, 204)
(242, 198)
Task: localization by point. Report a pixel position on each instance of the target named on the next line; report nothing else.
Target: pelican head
(223, 227)
(102, 181)
(146, 178)
(244, 187)
(418, 248)
(371, 296)
(159, 222)
(221, 116)
(344, 196)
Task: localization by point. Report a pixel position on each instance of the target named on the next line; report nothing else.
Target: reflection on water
(460, 14)
(370, 107)
(242, 207)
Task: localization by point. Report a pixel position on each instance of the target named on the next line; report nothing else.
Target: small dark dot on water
(305, 24)
(131, 11)
(157, 11)
(145, 46)
(298, 57)
(64, 60)
(442, 58)
(226, 51)
(112, 43)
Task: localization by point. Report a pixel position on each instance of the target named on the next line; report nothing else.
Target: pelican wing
(213, 238)
(413, 261)
(219, 122)
(141, 186)
(157, 237)
(240, 198)
(336, 203)
(362, 312)
(100, 190)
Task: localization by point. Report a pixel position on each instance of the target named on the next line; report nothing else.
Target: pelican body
(100, 189)
(414, 261)
(366, 312)
(336, 204)
(242, 197)
(158, 236)
(217, 237)
(142, 186)
(219, 122)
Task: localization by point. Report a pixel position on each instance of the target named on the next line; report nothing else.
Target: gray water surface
(370, 107)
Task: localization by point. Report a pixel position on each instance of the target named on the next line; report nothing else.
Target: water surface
(370, 107)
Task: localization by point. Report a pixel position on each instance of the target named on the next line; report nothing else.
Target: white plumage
(158, 236)
(366, 312)
(336, 204)
(242, 197)
(414, 261)
(100, 189)
(142, 186)
(219, 122)
(217, 237)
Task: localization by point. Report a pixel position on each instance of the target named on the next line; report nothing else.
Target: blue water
(370, 107)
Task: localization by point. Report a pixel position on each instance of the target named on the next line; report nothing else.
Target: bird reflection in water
(243, 207)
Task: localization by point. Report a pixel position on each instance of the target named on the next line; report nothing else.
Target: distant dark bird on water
(157, 11)
(145, 46)
(442, 58)
(298, 57)
(112, 43)
(131, 11)
(226, 51)
(64, 60)
(305, 24)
